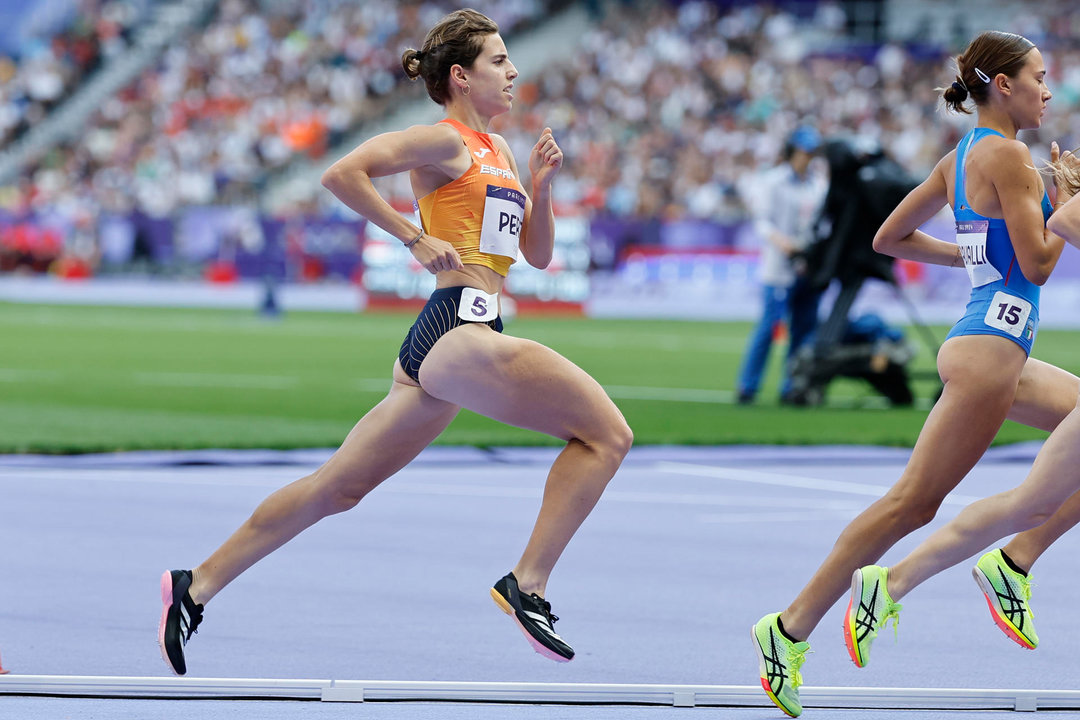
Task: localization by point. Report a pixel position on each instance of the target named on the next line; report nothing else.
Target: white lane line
(722, 397)
(165, 379)
(273, 477)
(19, 375)
(635, 392)
(792, 481)
(618, 392)
(200, 475)
(264, 382)
(772, 517)
(381, 385)
(625, 496)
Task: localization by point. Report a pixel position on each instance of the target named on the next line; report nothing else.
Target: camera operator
(784, 205)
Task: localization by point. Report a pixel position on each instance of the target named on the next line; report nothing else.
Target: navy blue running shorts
(438, 317)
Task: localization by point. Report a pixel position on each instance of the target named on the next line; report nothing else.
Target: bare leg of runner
(981, 376)
(528, 385)
(380, 444)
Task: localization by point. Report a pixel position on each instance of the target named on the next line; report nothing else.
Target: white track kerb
(531, 693)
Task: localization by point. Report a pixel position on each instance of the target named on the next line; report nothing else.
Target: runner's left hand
(545, 160)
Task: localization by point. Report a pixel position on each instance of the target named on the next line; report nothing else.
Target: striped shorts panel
(438, 317)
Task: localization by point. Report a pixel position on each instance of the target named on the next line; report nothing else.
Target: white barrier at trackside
(537, 693)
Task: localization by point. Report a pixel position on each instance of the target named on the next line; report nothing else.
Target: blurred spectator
(785, 202)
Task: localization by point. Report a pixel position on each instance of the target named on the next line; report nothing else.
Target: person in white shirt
(784, 204)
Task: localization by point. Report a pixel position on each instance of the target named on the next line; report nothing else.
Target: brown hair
(455, 40)
(990, 53)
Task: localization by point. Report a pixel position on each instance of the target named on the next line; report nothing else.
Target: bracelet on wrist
(415, 239)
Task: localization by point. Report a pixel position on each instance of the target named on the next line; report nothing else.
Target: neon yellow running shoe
(779, 660)
(1007, 593)
(867, 611)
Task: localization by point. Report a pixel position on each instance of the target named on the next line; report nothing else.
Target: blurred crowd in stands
(664, 109)
(45, 70)
(260, 84)
(668, 107)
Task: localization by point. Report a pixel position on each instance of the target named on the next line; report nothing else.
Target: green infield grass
(77, 379)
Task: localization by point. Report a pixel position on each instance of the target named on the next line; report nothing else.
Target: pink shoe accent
(849, 620)
(537, 646)
(849, 638)
(166, 600)
(1005, 627)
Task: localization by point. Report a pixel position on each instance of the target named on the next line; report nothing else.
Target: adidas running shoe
(867, 612)
(180, 618)
(532, 614)
(1007, 592)
(779, 660)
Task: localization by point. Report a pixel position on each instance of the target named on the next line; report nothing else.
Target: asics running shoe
(779, 660)
(532, 614)
(180, 617)
(868, 609)
(1007, 593)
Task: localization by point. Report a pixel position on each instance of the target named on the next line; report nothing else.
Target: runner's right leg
(389, 436)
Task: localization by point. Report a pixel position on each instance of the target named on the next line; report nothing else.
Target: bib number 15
(1008, 313)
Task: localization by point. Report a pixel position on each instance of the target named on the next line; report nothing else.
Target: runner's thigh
(519, 382)
(389, 436)
(1044, 395)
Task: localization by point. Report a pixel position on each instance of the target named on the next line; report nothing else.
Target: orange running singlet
(480, 213)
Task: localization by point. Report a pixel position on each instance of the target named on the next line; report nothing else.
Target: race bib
(1010, 314)
(478, 306)
(504, 210)
(971, 237)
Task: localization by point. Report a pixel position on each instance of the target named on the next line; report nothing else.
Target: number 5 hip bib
(504, 211)
(971, 237)
(478, 306)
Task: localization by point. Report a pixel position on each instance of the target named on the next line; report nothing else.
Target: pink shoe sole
(538, 647)
(166, 601)
(1004, 625)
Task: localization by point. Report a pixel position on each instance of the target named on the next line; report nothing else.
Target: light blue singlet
(1003, 302)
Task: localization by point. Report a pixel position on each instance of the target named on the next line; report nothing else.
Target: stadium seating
(663, 109)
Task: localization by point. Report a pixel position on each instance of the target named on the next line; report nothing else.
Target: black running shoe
(532, 614)
(180, 617)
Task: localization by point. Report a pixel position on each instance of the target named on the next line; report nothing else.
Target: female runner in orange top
(476, 217)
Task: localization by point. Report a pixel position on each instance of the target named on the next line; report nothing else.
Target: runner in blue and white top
(988, 376)
(1003, 300)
